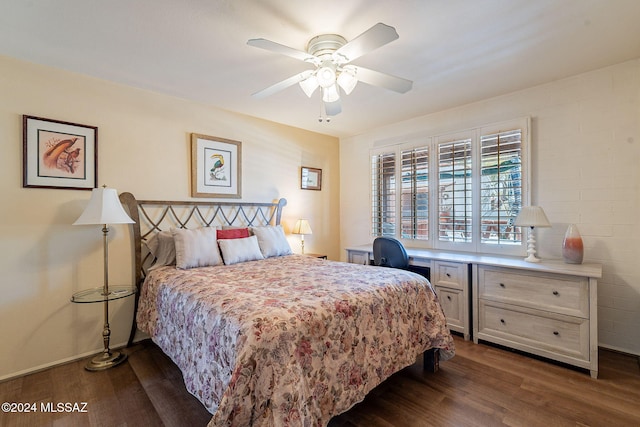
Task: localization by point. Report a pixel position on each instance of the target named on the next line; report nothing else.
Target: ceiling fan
(331, 55)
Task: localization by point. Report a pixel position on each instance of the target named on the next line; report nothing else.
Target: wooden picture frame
(216, 167)
(310, 178)
(59, 154)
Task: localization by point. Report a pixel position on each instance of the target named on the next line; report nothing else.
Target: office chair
(389, 252)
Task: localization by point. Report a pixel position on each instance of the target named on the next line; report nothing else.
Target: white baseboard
(58, 363)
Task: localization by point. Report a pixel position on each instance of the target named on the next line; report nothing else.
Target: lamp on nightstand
(104, 208)
(531, 216)
(302, 227)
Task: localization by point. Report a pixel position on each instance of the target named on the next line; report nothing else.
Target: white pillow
(163, 249)
(196, 248)
(272, 241)
(239, 250)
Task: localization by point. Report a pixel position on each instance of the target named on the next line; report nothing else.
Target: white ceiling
(455, 51)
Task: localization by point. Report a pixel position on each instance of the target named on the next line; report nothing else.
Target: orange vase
(572, 247)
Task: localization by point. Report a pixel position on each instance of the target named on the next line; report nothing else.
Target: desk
(450, 277)
(548, 309)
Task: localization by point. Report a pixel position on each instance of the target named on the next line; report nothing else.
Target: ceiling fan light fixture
(326, 75)
(330, 94)
(309, 85)
(347, 79)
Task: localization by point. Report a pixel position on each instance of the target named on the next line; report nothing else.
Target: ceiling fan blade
(387, 81)
(283, 50)
(283, 84)
(333, 108)
(375, 37)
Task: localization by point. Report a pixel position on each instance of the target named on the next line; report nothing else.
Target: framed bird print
(216, 167)
(310, 178)
(59, 154)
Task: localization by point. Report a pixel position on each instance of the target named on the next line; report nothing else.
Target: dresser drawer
(449, 274)
(452, 302)
(549, 292)
(554, 333)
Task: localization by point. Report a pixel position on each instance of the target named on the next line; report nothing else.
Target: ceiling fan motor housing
(325, 44)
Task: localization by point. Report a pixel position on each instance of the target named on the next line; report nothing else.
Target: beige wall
(585, 147)
(143, 147)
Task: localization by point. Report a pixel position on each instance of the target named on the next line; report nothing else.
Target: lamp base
(532, 258)
(105, 360)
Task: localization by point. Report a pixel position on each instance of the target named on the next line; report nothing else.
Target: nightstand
(322, 256)
(107, 358)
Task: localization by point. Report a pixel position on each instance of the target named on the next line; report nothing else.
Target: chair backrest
(389, 252)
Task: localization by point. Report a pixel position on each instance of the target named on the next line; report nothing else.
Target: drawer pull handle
(449, 297)
(502, 321)
(556, 333)
(448, 275)
(556, 293)
(502, 285)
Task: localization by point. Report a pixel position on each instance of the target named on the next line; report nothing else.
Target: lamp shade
(104, 208)
(532, 216)
(347, 79)
(330, 94)
(309, 85)
(302, 227)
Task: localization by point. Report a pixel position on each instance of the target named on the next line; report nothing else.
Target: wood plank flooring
(480, 386)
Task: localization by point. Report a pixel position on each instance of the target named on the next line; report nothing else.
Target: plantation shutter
(455, 191)
(383, 194)
(501, 186)
(414, 202)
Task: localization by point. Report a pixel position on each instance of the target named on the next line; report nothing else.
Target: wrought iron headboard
(153, 216)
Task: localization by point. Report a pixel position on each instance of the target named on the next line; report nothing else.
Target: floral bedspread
(292, 340)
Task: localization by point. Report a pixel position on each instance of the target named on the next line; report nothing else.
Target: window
(470, 201)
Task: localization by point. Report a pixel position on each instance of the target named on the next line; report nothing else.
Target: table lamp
(531, 216)
(302, 227)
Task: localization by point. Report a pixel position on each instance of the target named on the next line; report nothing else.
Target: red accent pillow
(232, 233)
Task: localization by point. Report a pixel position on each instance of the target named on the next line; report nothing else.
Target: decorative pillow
(196, 248)
(239, 250)
(233, 233)
(272, 241)
(163, 249)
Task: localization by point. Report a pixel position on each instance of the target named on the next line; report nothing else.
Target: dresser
(548, 309)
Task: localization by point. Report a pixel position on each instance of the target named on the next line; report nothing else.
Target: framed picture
(59, 154)
(310, 178)
(216, 167)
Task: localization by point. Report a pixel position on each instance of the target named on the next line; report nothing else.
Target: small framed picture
(310, 178)
(216, 167)
(59, 154)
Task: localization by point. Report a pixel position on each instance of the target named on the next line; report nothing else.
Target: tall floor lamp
(105, 208)
(531, 216)
(302, 227)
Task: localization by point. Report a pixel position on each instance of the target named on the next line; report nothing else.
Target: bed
(267, 337)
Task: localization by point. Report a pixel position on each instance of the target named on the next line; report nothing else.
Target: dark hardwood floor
(481, 386)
